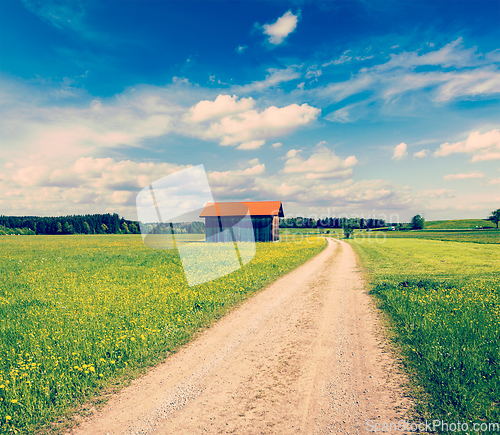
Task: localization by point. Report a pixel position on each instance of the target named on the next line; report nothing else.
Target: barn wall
(262, 229)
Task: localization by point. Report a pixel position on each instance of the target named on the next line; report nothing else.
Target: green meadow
(443, 304)
(475, 236)
(79, 314)
(459, 224)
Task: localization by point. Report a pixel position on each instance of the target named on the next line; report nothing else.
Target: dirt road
(301, 356)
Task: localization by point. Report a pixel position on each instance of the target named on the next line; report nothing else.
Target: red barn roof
(255, 208)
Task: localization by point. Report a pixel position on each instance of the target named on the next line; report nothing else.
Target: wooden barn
(239, 218)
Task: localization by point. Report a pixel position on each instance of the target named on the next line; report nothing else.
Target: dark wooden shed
(238, 218)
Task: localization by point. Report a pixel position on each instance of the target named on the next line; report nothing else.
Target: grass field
(297, 232)
(459, 224)
(444, 302)
(475, 236)
(79, 313)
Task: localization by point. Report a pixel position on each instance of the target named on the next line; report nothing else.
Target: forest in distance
(114, 224)
(86, 224)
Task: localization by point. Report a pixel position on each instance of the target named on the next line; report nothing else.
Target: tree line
(357, 223)
(88, 224)
(113, 224)
(79, 224)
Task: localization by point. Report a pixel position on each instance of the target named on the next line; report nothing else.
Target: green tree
(125, 228)
(86, 228)
(495, 217)
(417, 222)
(59, 229)
(348, 229)
(133, 228)
(104, 228)
(68, 228)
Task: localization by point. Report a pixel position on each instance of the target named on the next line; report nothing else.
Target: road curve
(302, 356)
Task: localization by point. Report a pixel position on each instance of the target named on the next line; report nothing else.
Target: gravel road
(302, 356)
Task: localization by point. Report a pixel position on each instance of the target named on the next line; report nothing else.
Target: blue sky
(336, 107)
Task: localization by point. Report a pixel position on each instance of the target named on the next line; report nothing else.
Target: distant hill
(458, 224)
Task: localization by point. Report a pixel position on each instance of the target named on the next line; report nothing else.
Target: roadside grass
(78, 314)
(443, 299)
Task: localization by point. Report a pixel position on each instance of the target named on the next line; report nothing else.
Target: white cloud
(450, 55)
(103, 183)
(251, 145)
(483, 147)
(35, 126)
(421, 154)
(241, 48)
(482, 81)
(223, 105)
(322, 164)
(278, 31)
(340, 91)
(253, 125)
(437, 193)
(470, 175)
(274, 78)
(276, 145)
(237, 184)
(361, 58)
(313, 71)
(31, 176)
(8, 165)
(349, 113)
(468, 74)
(341, 60)
(425, 141)
(400, 152)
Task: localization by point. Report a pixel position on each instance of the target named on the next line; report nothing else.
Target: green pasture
(443, 302)
(81, 313)
(459, 224)
(473, 236)
(332, 232)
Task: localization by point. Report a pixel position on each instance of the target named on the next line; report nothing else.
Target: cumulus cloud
(483, 147)
(104, 183)
(276, 145)
(421, 154)
(237, 184)
(102, 173)
(322, 164)
(278, 31)
(223, 105)
(253, 125)
(31, 176)
(470, 175)
(400, 152)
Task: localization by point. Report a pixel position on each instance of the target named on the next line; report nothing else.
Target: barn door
(276, 228)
